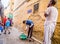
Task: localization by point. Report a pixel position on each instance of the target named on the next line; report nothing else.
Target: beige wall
(21, 13)
(38, 18)
(58, 6)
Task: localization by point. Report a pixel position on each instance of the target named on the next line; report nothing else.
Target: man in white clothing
(51, 15)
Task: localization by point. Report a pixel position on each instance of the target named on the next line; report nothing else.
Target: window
(36, 7)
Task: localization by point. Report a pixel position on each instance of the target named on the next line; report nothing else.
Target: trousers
(48, 32)
(30, 31)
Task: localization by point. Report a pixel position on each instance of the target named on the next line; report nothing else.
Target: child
(4, 21)
(7, 25)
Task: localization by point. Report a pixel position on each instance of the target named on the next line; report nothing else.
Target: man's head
(52, 3)
(24, 21)
(8, 18)
(4, 16)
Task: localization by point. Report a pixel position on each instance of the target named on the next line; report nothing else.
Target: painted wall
(58, 7)
(22, 13)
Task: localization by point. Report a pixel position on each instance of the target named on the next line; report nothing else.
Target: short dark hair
(8, 18)
(24, 21)
(53, 2)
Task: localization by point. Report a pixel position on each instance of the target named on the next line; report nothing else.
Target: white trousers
(48, 32)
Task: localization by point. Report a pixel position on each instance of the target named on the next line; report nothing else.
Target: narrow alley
(38, 20)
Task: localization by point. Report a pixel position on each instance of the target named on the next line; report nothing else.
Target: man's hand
(27, 27)
(45, 15)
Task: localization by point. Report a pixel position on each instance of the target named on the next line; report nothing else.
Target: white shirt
(52, 15)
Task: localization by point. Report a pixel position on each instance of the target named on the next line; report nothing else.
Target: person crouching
(30, 25)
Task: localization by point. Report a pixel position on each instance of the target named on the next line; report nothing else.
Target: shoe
(9, 33)
(31, 40)
(0, 34)
(5, 33)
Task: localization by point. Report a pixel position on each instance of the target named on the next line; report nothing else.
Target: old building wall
(22, 13)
